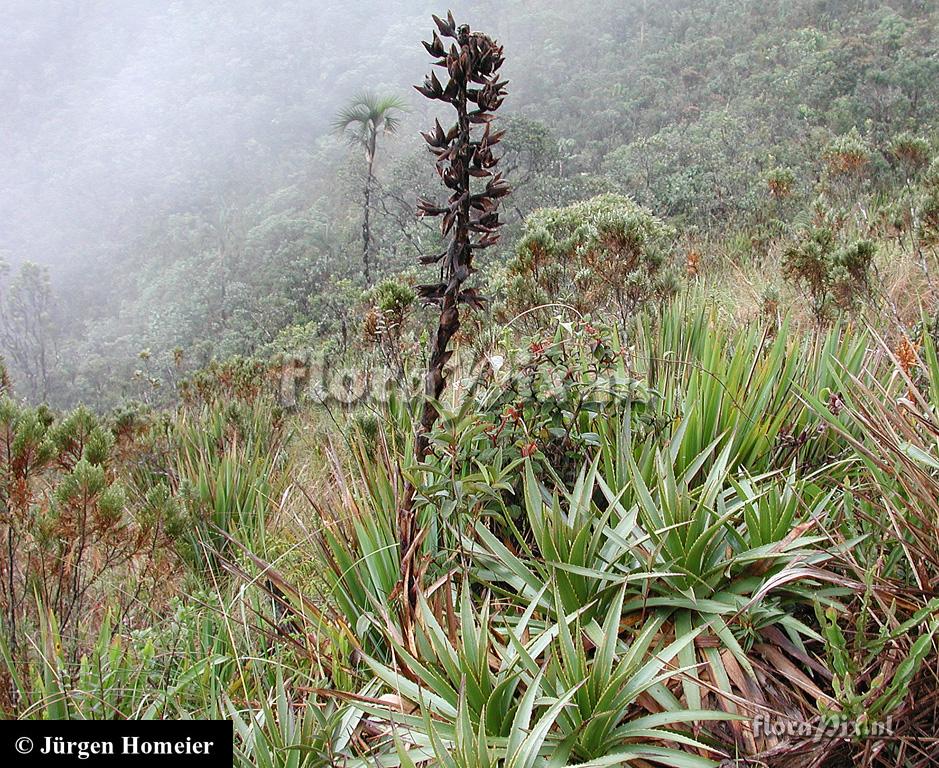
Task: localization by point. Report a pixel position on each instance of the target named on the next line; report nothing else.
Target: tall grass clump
(231, 465)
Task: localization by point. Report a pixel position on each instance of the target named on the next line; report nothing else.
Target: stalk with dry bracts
(470, 222)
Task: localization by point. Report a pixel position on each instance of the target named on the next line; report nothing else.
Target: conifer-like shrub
(847, 154)
(71, 528)
(833, 276)
(780, 181)
(236, 378)
(388, 305)
(910, 152)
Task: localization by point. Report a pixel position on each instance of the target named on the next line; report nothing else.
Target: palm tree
(360, 122)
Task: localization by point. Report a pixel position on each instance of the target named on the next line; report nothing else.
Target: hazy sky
(111, 110)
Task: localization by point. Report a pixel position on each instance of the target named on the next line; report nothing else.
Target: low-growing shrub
(834, 276)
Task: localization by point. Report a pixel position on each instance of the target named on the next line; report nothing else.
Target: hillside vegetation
(234, 228)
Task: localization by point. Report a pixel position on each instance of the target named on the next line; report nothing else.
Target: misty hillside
(158, 158)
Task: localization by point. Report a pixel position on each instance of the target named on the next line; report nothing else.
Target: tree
(27, 330)
(360, 122)
(532, 161)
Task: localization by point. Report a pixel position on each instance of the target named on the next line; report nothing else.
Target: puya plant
(470, 215)
(470, 220)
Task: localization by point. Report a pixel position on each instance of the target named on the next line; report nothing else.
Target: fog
(131, 129)
(173, 169)
(113, 111)
(116, 115)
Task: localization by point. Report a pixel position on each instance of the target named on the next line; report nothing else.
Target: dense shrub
(606, 252)
(388, 306)
(73, 528)
(833, 276)
(847, 154)
(779, 181)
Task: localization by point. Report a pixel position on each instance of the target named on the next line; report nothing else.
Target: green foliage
(780, 181)
(869, 703)
(911, 152)
(236, 378)
(712, 380)
(279, 735)
(600, 252)
(686, 108)
(361, 558)
(367, 115)
(230, 462)
(848, 154)
(487, 702)
(29, 330)
(621, 608)
(390, 304)
(929, 206)
(72, 531)
(638, 528)
(550, 397)
(834, 276)
(391, 298)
